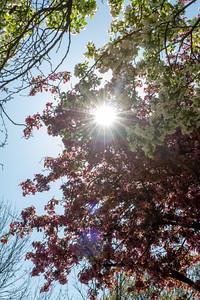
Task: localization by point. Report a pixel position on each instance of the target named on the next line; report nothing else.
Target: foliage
(130, 192)
(155, 74)
(31, 29)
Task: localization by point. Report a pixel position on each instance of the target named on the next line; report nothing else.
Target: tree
(131, 191)
(11, 253)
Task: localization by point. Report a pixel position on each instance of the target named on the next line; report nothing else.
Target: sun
(105, 115)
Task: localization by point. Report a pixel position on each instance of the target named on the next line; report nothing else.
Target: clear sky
(23, 158)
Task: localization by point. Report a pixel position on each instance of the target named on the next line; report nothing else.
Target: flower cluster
(28, 187)
(41, 84)
(62, 76)
(31, 123)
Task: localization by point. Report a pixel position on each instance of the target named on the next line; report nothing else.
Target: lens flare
(105, 115)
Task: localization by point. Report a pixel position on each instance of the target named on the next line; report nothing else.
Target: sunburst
(105, 115)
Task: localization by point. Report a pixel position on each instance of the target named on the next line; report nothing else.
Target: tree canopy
(130, 191)
(31, 29)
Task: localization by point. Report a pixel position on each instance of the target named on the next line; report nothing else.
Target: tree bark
(181, 277)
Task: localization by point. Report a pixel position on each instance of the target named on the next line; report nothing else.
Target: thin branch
(8, 117)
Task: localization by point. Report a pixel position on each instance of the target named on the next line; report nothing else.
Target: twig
(8, 117)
